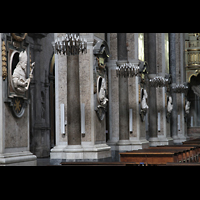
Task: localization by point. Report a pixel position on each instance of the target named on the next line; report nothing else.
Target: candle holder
(158, 81)
(70, 45)
(179, 88)
(129, 70)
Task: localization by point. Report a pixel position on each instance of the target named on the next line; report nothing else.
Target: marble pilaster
(138, 136)
(172, 69)
(180, 78)
(151, 51)
(161, 63)
(113, 84)
(92, 144)
(123, 143)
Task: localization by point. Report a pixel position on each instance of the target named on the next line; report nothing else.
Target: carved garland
(18, 38)
(4, 64)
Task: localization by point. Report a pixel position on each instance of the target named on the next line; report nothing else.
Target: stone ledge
(77, 152)
(19, 158)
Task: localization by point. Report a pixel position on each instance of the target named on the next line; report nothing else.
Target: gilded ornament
(4, 64)
(17, 105)
(18, 38)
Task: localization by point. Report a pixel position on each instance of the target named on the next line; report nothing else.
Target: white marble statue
(102, 92)
(196, 89)
(20, 83)
(144, 100)
(187, 107)
(169, 105)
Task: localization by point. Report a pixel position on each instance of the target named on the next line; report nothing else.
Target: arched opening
(15, 60)
(193, 120)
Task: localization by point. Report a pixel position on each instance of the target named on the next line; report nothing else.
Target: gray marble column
(123, 90)
(172, 71)
(73, 101)
(151, 51)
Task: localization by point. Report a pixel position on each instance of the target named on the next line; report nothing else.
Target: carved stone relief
(17, 83)
(100, 78)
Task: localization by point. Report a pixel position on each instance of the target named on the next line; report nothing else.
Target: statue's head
(188, 103)
(170, 99)
(23, 56)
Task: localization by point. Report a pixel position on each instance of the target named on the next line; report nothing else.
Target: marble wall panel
(130, 38)
(115, 104)
(85, 91)
(133, 104)
(113, 46)
(159, 52)
(16, 129)
(160, 98)
(62, 96)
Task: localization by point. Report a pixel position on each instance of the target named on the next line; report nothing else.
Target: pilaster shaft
(172, 70)
(151, 50)
(73, 101)
(123, 90)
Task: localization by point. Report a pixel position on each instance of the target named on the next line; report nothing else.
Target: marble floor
(49, 162)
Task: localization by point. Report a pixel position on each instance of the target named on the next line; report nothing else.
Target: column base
(129, 145)
(78, 152)
(179, 139)
(139, 144)
(112, 144)
(123, 145)
(25, 158)
(157, 141)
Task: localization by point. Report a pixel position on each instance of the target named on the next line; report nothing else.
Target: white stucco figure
(196, 89)
(102, 91)
(187, 107)
(169, 105)
(19, 80)
(144, 100)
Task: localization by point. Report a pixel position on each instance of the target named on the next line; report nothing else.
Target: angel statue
(187, 107)
(20, 83)
(144, 106)
(169, 105)
(102, 91)
(169, 108)
(144, 100)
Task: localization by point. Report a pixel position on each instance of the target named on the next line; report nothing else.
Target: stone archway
(193, 96)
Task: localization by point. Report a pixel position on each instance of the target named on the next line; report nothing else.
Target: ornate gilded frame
(18, 38)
